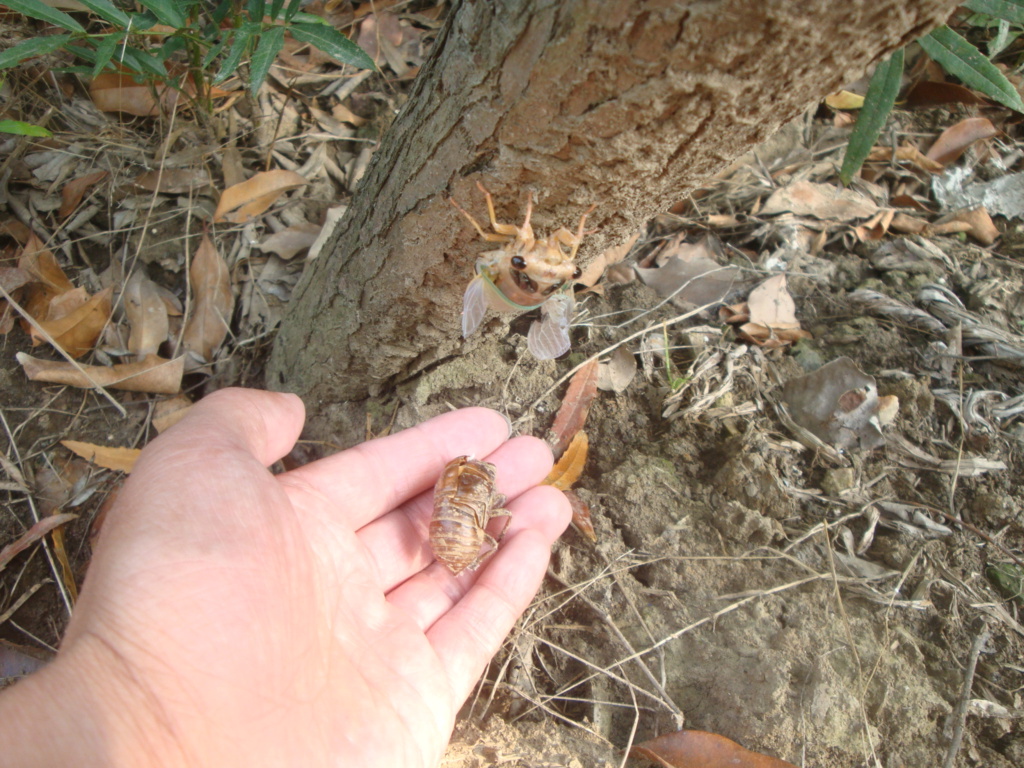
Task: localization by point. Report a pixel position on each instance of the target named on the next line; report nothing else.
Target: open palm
(235, 617)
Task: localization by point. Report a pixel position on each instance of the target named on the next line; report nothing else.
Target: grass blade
(961, 59)
(882, 91)
(1010, 10)
(107, 11)
(333, 43)
(23, 129)
(30, 48)
(37, 10)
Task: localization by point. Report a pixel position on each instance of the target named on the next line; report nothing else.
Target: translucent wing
(474, 305)
(548, 338)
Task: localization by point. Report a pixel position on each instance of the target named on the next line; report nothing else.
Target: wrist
(82, 710)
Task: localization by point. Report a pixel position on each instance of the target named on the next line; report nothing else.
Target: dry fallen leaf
(173, 181)
(616, 373)
(845, 100)
(569, 468)
(573, 412)
(77, 331)
(699, 749)
(911, 155)
(955, 140)
(581, 519)
(974, 221)
(32, 535)
(291, 241)
(250, 198)
(146, 312)
(691, 274)
(106, 456)
(167, 413)
(769, 315)
(931, 93)
(49, 279)
(154, 375)
(116, 92)
(823, 201)
(73, 192)
(212, 305)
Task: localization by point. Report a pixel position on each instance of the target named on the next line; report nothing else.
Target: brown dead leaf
(167, 413)
(146, 312)
(616, 373)
(212, 305)
(955, 140)
(845, 100)
(768, 317)
(933, 93)
(700, 749)
(77, 331)
(874, 229)
(73, 192)
(14, 229)
(154, 375)
(581, 519)
(32, 535)
(58, 482)
(569, 468)
(975, 221)
(911, 155)
(117, 92)
(173, 181)
(573, 412)
(39, 261)
(822, 201)
(250, 198)
(106, 456)
(902, 222)
(291, 241)
(691, 273)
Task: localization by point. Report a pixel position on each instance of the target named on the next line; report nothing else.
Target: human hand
(234, 617)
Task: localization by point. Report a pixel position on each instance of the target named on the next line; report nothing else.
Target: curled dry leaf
(73, 192)
(146, 312)
(154, 375)
(250, 198)
(32, 535)
(77, 331)
(616, 373)
(569, 468)
(581, 519)
(911, 155)
(212, 305)
(106, 456)
(291, 241)
(575, 406)
(974, 221)
(700, 749)
(49, 279)
(691, 273)
(768, 317)
(955, 140)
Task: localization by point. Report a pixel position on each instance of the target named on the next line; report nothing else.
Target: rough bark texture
(628, 104)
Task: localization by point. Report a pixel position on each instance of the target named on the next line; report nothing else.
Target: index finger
(374, 477)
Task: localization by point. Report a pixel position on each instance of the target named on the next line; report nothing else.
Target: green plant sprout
(202, 44)
(675, 381)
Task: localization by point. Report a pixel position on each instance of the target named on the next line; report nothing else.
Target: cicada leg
(548, 338)
(474, 305)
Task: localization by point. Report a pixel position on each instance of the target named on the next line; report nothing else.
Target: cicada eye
(518, 262)
(577, 273)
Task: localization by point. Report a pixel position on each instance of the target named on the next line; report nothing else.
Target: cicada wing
(548, 338)
(474, 305)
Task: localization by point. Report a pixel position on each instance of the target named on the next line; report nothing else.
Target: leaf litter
(716, 520)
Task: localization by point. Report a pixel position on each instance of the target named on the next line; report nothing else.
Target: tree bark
(627, 104)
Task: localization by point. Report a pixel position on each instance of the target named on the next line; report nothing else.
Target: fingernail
(508, 423)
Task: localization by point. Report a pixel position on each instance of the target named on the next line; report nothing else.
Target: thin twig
(960, 713)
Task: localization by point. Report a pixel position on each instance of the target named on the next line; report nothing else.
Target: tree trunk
(626, 104)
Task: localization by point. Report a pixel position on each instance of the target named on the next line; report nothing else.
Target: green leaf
(275, 8)
(214, 52)
(105, 51)
(256, 9)
(271, 42)
(107, 11)
(292, 9)
(23, 129)
(333, 43)
(1010, 10)
(881, 95)
(37, 10)
(1008, 578)
(169, 12)
(242, 37)
(31, 48)
(961, 59)
(143, 62)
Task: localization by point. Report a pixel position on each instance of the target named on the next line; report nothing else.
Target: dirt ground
(741, 583)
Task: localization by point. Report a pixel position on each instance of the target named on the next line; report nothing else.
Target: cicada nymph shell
(524, 274)
(464, 502)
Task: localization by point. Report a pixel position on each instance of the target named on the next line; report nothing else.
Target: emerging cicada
(464, 502)
(525, 274)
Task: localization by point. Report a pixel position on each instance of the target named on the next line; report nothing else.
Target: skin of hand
(235, 617)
